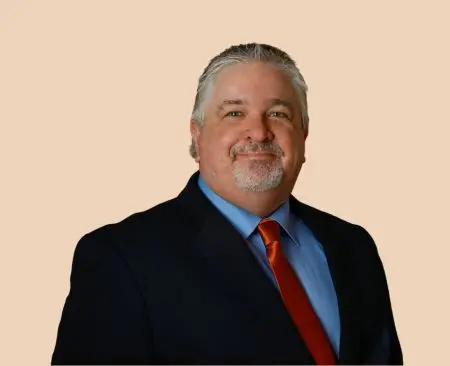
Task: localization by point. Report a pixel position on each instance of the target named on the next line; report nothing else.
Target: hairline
(211, 79)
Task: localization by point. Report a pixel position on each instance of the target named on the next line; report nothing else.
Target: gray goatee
(258, 175)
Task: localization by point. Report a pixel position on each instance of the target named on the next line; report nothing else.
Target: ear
(306, 130)
(196, 131)
(305, 135)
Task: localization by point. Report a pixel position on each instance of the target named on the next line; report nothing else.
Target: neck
(261, 204)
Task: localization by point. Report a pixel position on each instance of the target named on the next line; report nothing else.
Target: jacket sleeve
(104, 318)
(382, 345)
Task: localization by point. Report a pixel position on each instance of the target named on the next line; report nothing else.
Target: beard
(258, 175)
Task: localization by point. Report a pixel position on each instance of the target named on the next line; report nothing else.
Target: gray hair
(243, 53)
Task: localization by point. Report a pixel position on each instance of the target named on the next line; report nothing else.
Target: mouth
(256, 155)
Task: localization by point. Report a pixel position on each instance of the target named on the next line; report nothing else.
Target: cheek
(292, 145)
(221, 140)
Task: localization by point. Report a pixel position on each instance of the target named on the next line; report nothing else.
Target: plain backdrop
(95, 101)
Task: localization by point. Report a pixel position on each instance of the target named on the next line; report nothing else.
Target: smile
(256, 155)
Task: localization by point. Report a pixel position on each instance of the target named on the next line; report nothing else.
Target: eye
(278, 114)
(234, 114)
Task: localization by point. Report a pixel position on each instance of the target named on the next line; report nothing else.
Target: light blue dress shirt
(302, 249)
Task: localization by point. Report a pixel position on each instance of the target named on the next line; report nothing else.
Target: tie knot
(269, 230)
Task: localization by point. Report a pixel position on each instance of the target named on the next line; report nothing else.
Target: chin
(258, 179)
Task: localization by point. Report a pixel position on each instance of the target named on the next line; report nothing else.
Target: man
(234, 270)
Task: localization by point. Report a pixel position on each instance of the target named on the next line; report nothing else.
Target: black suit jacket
(178, 285)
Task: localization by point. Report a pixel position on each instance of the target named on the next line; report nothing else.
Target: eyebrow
(228, 102)
(283, 102)
(273, 102)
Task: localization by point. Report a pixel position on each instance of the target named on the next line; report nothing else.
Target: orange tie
(294, 296)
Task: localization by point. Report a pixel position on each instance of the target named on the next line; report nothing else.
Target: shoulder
(350, 238)
(354, 242)
(154, 219)
(331, 222)
(135, 230)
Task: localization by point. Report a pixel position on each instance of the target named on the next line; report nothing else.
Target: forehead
(254, 81)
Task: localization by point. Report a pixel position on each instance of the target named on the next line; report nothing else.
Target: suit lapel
(339, 265)
(227, 255)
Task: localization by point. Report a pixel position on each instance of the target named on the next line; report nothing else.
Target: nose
(257, 129)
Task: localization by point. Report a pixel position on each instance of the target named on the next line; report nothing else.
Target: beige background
(95, 100)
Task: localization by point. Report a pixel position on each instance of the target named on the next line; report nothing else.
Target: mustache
(255, 146)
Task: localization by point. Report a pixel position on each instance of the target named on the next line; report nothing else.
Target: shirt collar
(245, 222)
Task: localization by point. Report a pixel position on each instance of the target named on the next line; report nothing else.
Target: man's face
(252, 136)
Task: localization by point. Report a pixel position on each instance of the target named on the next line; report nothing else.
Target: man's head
(250, 122)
